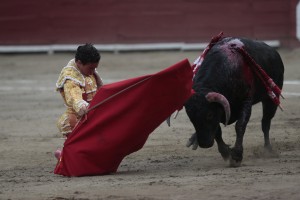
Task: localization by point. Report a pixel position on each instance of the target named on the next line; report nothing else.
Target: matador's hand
(83, 110)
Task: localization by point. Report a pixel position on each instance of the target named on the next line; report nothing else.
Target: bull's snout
(205, 142)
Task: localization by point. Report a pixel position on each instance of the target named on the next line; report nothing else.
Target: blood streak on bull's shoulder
(229, 47)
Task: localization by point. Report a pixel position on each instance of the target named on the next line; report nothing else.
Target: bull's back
(224, 63)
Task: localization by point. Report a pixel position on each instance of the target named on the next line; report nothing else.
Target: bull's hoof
(270, 153)
(265, 152)
(236, 157)
(234, 163)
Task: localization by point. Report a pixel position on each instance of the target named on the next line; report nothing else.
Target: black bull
(226, 88)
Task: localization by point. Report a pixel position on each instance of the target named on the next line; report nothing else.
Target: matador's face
(86, 69)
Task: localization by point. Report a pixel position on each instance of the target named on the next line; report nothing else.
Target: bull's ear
(219, 98)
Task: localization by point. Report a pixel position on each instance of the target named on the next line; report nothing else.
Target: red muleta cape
(121, 117)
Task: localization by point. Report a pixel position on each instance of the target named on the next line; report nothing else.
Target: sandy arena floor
(164, 168)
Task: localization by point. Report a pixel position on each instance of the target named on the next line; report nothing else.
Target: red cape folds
(121, 117)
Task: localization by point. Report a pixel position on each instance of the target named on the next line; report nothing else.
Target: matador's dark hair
(87, 54)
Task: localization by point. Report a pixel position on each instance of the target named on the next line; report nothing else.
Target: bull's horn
(219, 98)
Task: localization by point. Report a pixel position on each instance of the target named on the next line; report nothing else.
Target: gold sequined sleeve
(73, 95)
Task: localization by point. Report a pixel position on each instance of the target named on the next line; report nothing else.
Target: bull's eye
(209, 116)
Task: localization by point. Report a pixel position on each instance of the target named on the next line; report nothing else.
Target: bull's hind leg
(269, 110)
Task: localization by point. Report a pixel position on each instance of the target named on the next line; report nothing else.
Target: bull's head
(206, 111)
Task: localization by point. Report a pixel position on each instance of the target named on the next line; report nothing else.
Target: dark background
(37, 22)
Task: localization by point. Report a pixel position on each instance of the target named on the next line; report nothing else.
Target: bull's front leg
(240, 128)
(222, 146)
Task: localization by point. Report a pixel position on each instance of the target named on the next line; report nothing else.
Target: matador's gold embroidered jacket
(76, 90)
